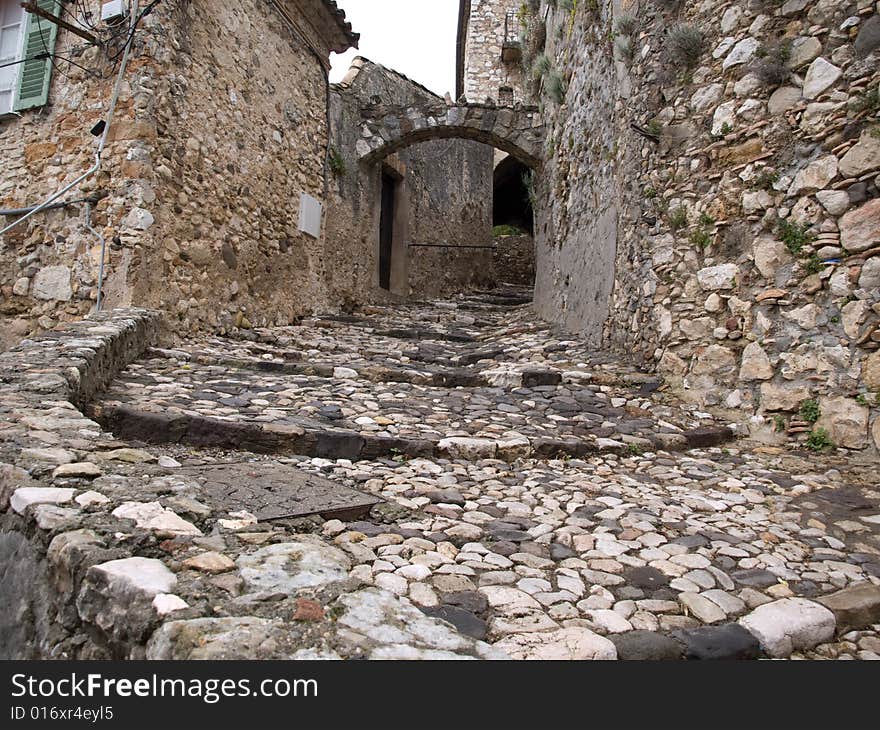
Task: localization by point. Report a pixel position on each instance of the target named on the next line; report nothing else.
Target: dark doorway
(511, 204)
(386, 230)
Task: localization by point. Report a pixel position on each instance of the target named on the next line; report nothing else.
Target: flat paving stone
(277, 491)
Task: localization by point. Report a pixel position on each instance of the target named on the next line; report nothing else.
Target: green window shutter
(33, 84)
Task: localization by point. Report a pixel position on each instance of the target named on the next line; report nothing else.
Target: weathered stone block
(789, 624)
(717, 277)
(820, 76)
(782, 397)
(864, 156)
(53, 283)
(845, 420)
(755, 363)
(855, 607)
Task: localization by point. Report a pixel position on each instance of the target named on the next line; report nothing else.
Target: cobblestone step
(519, 393)
(171, 425)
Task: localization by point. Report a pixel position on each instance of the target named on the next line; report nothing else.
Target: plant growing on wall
(795, 236)
(765, 180)
(626, 51)
(866, 102)
(336, 162)
(809, 411)
(819, 440)
(678, 218)
(625, 25)
(771, 66)
(555, 86)
(541, 67)
(685, 45)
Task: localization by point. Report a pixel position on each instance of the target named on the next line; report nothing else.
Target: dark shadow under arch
(511, 205)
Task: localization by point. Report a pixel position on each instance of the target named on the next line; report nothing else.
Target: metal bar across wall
(445, 245)
(35, 9)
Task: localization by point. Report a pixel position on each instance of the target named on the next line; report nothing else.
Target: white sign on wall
(310, 210)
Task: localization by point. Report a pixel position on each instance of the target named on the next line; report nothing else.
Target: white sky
(415, 37)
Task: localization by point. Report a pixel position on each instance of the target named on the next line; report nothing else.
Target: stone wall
(49, 266)
(514, 259)
(722, 220)
(445, 201)
(240, 138)
(484, 73)
(213, 143)
(577, 213)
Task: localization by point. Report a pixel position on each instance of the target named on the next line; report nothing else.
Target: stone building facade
(213, 142)
(709, 202)
(442, 200)
(489, 51)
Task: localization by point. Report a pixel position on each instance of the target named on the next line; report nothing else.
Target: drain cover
(277, 491)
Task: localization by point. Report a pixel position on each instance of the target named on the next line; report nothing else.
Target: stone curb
(79, 359)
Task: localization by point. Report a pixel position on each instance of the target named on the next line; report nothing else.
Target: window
(26, 42)
(12, 22)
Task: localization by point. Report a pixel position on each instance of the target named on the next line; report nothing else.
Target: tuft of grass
(819, 440)
(625, 48)
(779, 423)
(813, 265)
(771, 66)
(678, 218)
(795, 236)
(625, 25)
(654, 127)
(555, 86)
(868, 101)
(810, 411)
(507, 230)
(541, 66)
(701, 239)
(766, 180)
(706, 220)
(336, 162)
(685, 45)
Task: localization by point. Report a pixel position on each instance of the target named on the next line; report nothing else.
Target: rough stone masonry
(710, 201)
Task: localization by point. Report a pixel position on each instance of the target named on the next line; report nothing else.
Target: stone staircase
(471, 378)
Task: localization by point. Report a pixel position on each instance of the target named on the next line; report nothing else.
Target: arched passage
(388, 129)
(385, 129)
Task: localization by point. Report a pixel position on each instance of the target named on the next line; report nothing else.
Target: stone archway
(385, 129)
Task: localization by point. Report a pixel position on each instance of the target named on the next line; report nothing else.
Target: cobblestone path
(549, 501)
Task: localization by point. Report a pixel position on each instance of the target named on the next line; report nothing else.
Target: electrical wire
(85, 15)
(101, 144)
(46, 50)
(43, 56)
(134, 26)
